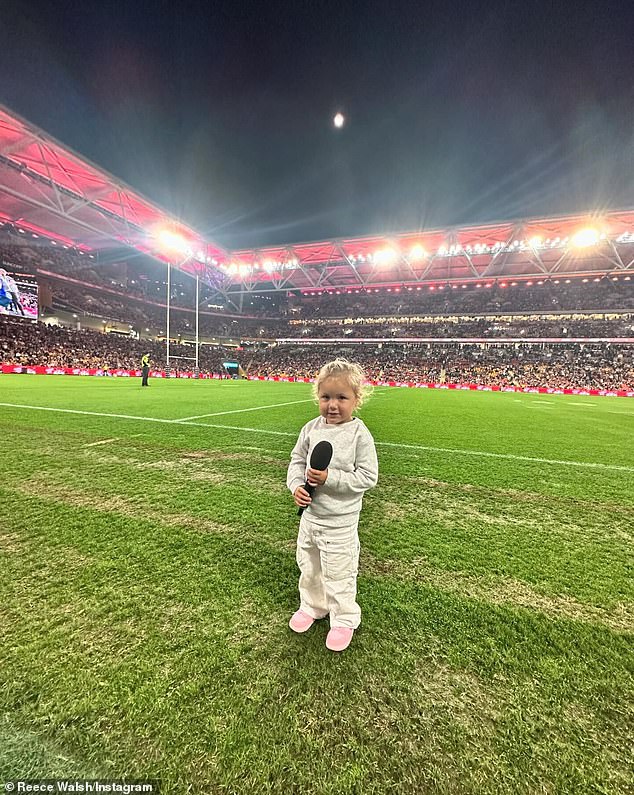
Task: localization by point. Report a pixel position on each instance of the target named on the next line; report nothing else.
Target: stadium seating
(597, 308)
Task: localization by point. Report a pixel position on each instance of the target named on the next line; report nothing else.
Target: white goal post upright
(197, 310)
(169, 357)
(167, 323)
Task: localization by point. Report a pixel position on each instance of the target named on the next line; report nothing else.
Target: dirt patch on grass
(457, 507)
(502, 591)
(10, 542)
(201, 468)
(509, 495)
(131, 507)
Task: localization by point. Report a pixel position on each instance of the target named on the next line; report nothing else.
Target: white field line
(238, 411)
(103, 441)
(585, 405)
(425, 448)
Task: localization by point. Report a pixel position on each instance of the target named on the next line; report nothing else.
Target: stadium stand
(128, 298)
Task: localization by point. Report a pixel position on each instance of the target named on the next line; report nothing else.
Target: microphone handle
(311, 490)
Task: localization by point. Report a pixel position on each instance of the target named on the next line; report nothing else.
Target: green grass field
(148, 576)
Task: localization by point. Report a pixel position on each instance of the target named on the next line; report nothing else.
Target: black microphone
(319, 459)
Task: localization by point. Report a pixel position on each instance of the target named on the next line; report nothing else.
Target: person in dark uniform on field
(145, 369)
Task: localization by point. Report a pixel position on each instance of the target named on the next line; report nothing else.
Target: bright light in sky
(339, 120)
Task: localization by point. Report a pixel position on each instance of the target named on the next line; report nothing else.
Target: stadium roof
(542, 248)
(50, 190)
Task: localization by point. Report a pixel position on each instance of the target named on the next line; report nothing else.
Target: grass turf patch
(149, 580)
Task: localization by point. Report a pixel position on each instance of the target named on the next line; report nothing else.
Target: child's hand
(317, 477)
(302, 497)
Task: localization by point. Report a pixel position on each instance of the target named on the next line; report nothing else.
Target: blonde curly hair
(351, 371)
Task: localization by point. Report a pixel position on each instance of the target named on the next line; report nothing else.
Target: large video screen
(18, 296)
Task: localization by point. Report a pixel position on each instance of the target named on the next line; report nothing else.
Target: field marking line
(103, 441)
(237, 411)
(425, 448)
(585, 405)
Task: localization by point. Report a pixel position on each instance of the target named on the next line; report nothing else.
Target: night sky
(221, 112)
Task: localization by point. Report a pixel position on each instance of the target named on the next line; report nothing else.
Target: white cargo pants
(328, 559)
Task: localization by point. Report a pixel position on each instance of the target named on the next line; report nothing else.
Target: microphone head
(321, 455)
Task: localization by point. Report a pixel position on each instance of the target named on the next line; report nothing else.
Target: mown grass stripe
(401, 445)
(239, 411)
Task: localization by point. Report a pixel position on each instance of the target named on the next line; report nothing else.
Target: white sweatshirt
(353, 470)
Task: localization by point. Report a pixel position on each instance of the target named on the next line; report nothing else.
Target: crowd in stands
(554, 294)
(504, 326)
(556, 307)
(145, 315)
(589, 366)
(33, 344)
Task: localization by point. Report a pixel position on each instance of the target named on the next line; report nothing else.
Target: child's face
(337, 400)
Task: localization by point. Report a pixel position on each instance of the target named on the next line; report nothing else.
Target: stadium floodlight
(173, 242)
(385, 255)
(585, 238)
(417, 252)
(535, 242)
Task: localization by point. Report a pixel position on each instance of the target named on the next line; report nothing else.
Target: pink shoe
(300, 621)
(339, 638)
